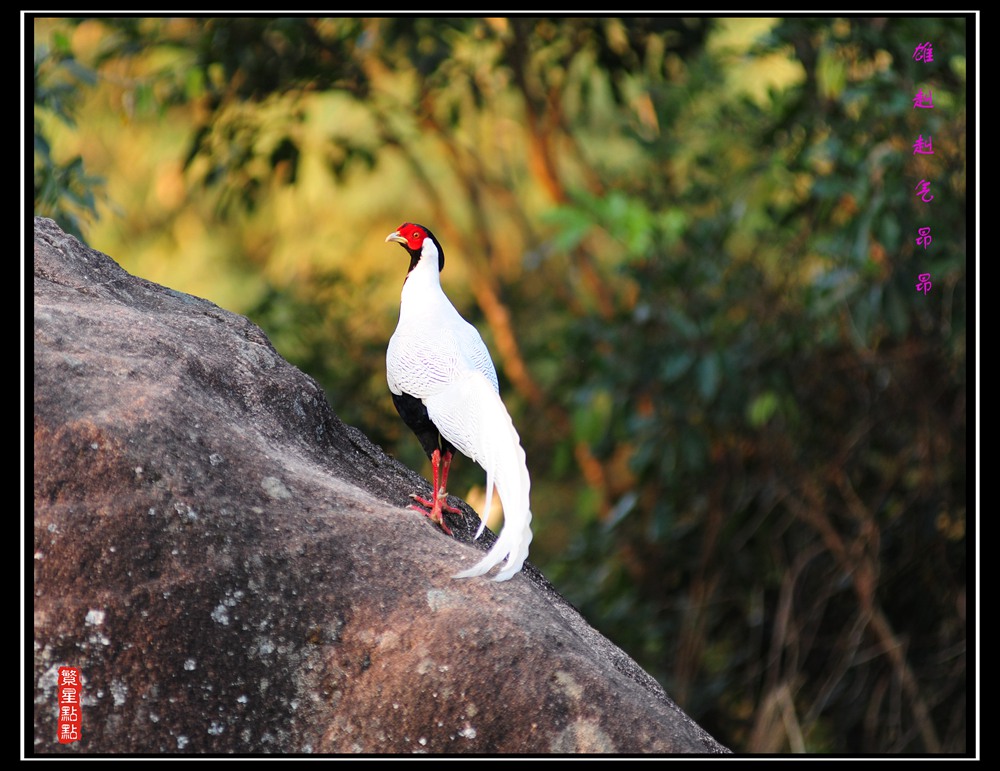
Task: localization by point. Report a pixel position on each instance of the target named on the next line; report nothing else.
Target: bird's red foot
(433, 510)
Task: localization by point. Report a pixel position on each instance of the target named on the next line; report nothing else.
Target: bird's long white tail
(470, 414)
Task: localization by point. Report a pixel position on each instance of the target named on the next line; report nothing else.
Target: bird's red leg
(442, 490)
(440, 494)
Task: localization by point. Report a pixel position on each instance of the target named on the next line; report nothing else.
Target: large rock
(232, 570)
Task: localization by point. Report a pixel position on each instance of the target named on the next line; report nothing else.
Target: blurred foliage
(63, 190)
(691, 245)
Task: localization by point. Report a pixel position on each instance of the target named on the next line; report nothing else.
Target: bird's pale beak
(394, 236)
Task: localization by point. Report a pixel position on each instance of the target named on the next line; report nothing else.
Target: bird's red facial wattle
(415, 239)
(409, 235)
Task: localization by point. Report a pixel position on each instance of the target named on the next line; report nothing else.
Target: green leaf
(676, 366)
(760, 410)
(709, 376)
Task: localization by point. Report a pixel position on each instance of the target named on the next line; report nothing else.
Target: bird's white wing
(478, 355)
(422, 361)
(418, 365)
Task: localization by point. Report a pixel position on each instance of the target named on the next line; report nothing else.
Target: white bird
(444, 386)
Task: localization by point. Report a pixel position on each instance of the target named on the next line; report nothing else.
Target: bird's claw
(421, 501)
(435, 513)
(442, 496)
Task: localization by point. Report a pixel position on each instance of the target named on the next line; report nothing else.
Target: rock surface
(231, 569)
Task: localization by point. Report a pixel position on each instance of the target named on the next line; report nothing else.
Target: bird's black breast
(414, 414)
